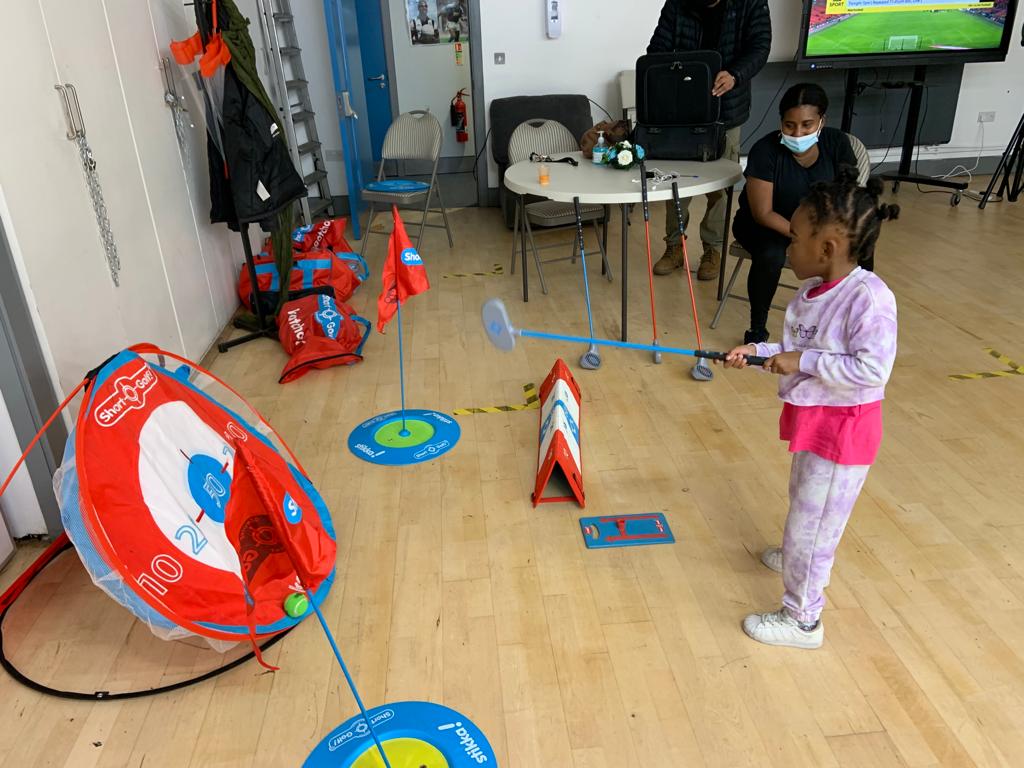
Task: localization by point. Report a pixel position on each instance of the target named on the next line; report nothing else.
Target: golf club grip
(679, 207)
(579, 220)
(751, 359)
(643, 190)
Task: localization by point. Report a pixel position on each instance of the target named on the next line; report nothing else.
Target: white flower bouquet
(624, 155)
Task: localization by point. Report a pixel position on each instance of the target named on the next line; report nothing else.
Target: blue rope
(348, 677)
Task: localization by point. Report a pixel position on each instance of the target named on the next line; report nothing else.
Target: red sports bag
(319, 333)
(337, 275)
(327, 234)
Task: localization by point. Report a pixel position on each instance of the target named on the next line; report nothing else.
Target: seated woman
(781, 169)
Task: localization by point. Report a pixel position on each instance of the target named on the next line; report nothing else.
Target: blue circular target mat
(383, 440)
(415, 734)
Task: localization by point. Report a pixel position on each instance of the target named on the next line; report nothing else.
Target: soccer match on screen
(852, 27)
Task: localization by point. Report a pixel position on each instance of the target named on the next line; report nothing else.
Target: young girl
(837, 351)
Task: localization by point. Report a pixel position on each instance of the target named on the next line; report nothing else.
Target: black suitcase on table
(677, 117)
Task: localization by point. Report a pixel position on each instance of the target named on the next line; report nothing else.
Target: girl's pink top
(845, 434)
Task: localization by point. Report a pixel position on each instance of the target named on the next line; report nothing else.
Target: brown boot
(670, 261)
(710, 264)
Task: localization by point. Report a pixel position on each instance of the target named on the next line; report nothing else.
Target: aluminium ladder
(291, 97)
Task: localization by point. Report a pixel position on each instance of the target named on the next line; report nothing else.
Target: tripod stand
(266, 329)
(1009, 173)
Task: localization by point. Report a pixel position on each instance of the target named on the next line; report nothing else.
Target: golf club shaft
(751, 359)
(583, 261)
(686, 260)
(647, 237)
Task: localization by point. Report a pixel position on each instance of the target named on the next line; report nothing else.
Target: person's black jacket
(745, 41)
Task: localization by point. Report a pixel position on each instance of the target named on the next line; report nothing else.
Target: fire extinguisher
(458, 116)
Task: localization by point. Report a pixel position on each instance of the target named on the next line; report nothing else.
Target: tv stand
(910, 131)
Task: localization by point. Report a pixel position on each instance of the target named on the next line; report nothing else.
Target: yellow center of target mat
(403, 753)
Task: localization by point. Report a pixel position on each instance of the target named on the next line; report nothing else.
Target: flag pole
(404, 432)
(401, 364)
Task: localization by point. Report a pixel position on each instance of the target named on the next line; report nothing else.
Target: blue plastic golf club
(502, 334)
(700, 371)
(650, 267)
(591, 359)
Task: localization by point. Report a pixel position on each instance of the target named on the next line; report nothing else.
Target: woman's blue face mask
(800, 144)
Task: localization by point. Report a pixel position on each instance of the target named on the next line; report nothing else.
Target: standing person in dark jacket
(740, 30)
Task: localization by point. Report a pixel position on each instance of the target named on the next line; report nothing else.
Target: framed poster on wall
(434, 22)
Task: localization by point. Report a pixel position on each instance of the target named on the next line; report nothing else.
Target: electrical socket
(499, 58)
(986, 117)
(334, 155)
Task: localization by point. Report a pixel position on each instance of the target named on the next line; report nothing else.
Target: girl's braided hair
(854, 208)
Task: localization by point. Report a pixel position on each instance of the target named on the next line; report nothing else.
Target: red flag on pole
(404, 273)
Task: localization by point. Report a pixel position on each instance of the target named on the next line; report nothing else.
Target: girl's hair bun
(888, 212)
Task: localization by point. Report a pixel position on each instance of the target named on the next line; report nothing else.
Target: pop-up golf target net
(187, 508)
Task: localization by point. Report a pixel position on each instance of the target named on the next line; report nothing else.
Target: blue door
(375, 72)
(350, 97)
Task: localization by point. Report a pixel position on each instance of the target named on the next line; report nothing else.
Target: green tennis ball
(296, 605)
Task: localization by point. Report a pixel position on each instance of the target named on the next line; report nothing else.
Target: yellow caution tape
(532, 403)
(497, 269)
(1012, 369)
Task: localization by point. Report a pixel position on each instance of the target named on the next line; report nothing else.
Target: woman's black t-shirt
(770, 161)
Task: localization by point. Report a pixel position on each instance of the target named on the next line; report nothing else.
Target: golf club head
(591, 359)
(701, 372)
(657, 355)
(497, 325)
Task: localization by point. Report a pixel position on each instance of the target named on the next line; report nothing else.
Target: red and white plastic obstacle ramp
(559, 452)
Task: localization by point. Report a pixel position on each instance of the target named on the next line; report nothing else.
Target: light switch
(499, 58)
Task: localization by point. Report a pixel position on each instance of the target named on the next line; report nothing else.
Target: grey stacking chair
(741, 253)
(548, 137)
(415, 135)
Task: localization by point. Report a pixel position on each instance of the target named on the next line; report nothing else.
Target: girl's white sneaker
(779, 628)
(771, 558)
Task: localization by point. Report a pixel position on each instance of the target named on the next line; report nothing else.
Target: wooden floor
(452, 588)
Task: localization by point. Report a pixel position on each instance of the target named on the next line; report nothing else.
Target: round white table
(599, 185)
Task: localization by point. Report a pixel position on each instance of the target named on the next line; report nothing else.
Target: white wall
(997, 87)
(316, 59)
(599, 40)
(428, 77)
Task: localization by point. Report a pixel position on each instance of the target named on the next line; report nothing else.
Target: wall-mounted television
(865, 33)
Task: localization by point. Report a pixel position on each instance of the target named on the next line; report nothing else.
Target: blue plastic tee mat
(626, 530)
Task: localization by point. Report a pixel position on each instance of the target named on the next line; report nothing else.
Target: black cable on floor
(107, 695)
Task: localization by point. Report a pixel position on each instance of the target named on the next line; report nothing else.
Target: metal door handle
(80, 128)
(376, 77)
(68, 117)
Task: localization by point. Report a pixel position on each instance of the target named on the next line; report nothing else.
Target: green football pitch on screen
(904, 31)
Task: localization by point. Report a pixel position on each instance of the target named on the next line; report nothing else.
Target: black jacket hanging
(255, 179)
(261, 175)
